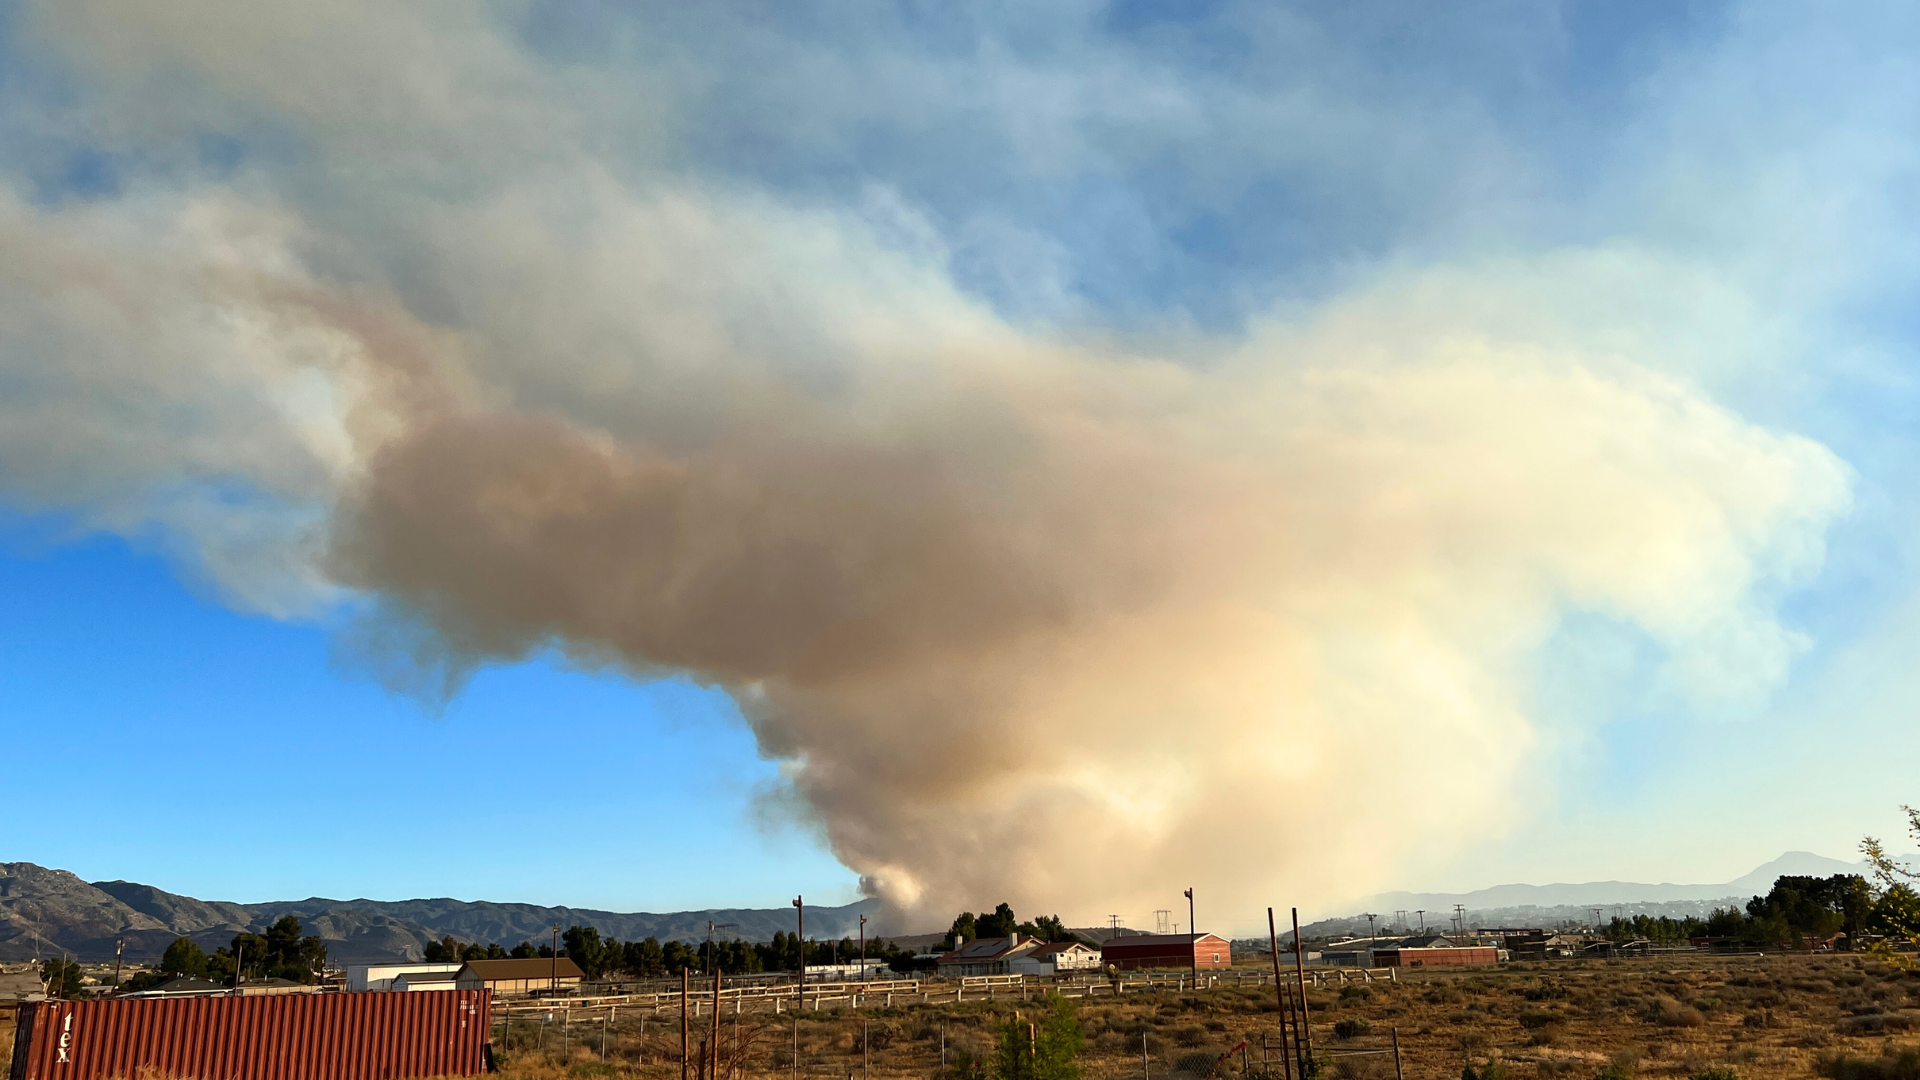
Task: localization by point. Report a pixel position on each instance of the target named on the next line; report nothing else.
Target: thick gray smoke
(1024, 618)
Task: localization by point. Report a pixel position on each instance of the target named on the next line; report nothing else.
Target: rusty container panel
(288, 1037)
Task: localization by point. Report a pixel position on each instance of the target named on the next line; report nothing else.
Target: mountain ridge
(47, 911)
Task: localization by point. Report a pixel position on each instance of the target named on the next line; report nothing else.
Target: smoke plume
(1025, 613)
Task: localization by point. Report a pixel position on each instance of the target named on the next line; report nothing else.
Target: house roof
(540, 967)
(415, 978)
(19, 984)
(1424, 941)
(1054, 947)
(188, 985)
(981, 950)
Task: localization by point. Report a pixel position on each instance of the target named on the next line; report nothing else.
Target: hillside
(44, 911)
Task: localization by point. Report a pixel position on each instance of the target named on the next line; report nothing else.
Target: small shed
(1206, 951)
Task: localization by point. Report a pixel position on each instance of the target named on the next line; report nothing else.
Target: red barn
(1167, 951)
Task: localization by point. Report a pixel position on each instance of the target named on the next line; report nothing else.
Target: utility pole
(1300, 973)
(1459, 918)
(686, 1023)
(1422, 912)
(1279, 994)
(714, 1072)
(863, 955)
(239, 958)
(119, 946)
(800, 917)
(553, 979)
(1370, 918)
(1193, 948)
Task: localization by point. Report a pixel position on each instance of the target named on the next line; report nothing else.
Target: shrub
(1616, 1070)
(1352, 994)
(1721, 1073)
(1190, 1035)
(1347, 1029)
(1901, 1065)
(1539, 1019)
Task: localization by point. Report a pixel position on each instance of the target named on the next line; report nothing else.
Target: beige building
(537, 976)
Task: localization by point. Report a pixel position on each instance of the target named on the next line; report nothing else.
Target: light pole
(800, 928)
(119, 946)
(863, 946)
(1193, 945)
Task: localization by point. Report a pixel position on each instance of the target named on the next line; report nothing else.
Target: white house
(1056, 958)
(381, 976)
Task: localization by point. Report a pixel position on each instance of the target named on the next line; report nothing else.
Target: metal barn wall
(1470, 954)
(290, 1037)
(1155, 951)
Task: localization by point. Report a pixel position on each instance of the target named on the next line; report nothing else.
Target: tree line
(1797, 910)
(1002, 922)
(649, 958)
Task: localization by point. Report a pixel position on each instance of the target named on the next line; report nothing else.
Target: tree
(1050, 928)
(964, 929)
(62, 978)
(586, 949)
(1896, 911)
(523, 951)
(184, 958)
(644, 959)
(999, 924)
(285, 954)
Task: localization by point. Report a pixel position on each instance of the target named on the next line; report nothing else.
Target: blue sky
(994, 401)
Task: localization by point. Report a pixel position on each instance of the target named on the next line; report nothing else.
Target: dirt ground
(1762, 1017)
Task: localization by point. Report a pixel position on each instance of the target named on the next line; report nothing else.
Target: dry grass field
(1759, 1017)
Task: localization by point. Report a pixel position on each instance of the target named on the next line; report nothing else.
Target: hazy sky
(651, 456)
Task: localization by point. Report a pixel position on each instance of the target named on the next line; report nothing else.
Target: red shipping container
(285, 1037)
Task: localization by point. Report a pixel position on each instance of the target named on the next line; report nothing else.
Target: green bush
(1347, 1029)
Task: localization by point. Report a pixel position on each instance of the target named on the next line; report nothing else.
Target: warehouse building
(542, 975)
(1202, 951)
(1436, 956)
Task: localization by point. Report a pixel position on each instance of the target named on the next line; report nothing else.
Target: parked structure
(381, 976)
(293, 1037)
(1168, 951)
(1057, 957)
(542, 975)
